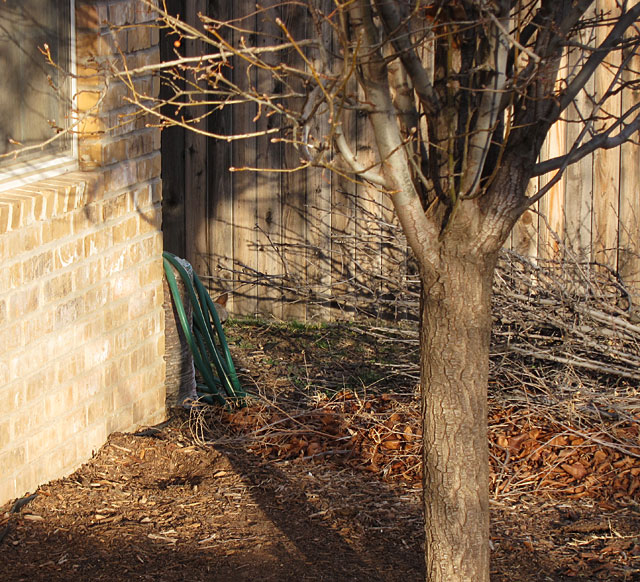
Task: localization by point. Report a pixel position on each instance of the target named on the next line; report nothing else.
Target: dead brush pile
(564, 400)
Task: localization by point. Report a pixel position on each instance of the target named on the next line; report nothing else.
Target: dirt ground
(291, 489)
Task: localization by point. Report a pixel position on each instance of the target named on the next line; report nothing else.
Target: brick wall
(81, 320)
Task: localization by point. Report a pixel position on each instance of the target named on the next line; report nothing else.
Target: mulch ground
(319, 477)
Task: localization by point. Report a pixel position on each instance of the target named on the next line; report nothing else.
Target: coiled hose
(208, 343)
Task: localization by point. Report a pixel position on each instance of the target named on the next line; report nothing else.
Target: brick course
(81, 319)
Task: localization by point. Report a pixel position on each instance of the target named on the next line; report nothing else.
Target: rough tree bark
(456, 324)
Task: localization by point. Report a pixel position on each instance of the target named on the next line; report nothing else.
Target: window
(35, 97)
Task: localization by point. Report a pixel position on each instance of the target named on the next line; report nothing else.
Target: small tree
(459, 95)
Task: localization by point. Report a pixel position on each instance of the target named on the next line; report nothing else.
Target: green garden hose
(207, 342)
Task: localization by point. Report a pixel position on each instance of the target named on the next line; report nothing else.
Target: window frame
(50, 165)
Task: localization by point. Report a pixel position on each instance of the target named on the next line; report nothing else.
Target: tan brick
(141, 144)
(125, 394)
(61, 227)
(97, 242)
(125, 230)
(144, 12)
(28, 420)
(123, 340)
(144, 58)
(151, 273)
(150, 220)
(11, 337)
(91, 16)
(6, 210)
(4, 373)
(144, 355)
(122, 419)
(90, 153)
(32, 237)
(156, 245)
(97, 352)
(58, 287)
(91, 44)
(149, 167)
(115, 315)
(99, 407)
(22, 213)
(117, 370)
(92, 384)
(141, 38)
(135, 251)
(98, 296)
(122, 13)
(91, 125)
(67, 195)
(90, 76)
(56, 405)
(118, 206)
(13, 458)
(11, 277)
(23, 302)
(68, 312)
(38, 385)
(4, 311)
(121, 176)
(88, 273)
(34, 328)
(123, 121)
(124, 285)
(71, 456)
(37, 266)
(95, 212)
(114, 96)
(151, 405)
(7, 488)
(12, 390)
(143, 197)
(24, 362)
(116, 261)
(5, 432)
(39, 442)
(143, 303)
(87, 100)
(92, 328)
(69, 254)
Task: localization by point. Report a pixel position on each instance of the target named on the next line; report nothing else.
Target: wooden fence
(311, 245)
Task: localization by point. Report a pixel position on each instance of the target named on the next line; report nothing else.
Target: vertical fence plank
(220, 186)
(606, 162)
(319, 186)
(195, 183)
(268, 155)
(629, 220)
(343, 216)
(245, 181)
(579, 200)
(551, 206)
(173, 154)
(294, 187)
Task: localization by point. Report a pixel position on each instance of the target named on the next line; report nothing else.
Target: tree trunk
(456, 328)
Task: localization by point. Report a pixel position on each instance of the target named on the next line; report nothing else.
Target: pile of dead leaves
(530, 453)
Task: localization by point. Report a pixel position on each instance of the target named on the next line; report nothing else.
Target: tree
(460, 96)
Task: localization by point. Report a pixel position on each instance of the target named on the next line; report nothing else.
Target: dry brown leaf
(392, 444)
(577, 470)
